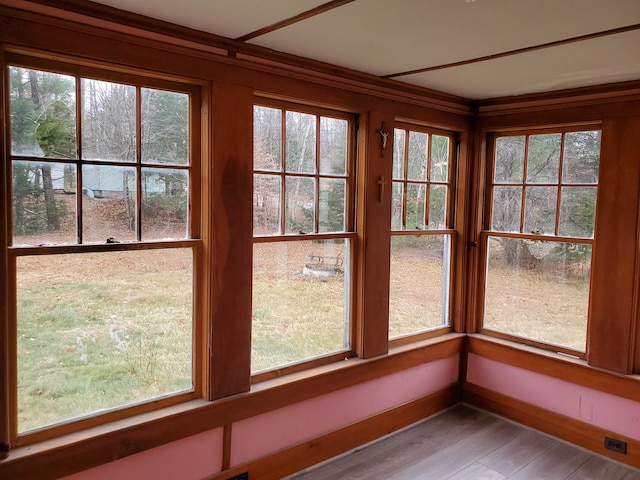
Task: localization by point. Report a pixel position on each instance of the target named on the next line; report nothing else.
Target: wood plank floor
(467, 444)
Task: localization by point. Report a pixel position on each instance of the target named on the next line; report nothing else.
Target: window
(421, 223)
(539, 235)
(303, 234)
(102, 244)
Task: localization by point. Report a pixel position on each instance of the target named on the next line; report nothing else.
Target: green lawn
(90, 338)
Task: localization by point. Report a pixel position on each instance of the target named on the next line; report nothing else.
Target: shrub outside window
(102, 243)
(540, 235)
(421, 224)
(303, 234)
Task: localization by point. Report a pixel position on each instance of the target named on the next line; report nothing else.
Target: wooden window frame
(450, 217)
(195, 224)
(486, 228)
(350, 231)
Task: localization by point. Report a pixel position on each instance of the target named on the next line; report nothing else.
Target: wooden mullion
(78, 164)
(283, 171)
(427, 195)
(138, 208)
(316, 200)
(559, 196)
(404, 180)
(524, 184)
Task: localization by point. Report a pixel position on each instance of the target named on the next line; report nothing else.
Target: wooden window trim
(350, 233)
(486, 219)
(452, 217)
(83, 69)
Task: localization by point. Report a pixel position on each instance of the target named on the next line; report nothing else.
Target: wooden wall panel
(231, 234)
(374, 238)
(611, 326)
(569, 112)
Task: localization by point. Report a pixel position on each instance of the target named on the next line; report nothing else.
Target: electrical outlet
(615, 445)
(240, 476)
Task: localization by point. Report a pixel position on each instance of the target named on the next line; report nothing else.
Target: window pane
(538, 290)
(267, 138)
(543, 158)
(300, 205)
(331, 205)
(509, 160)
(101, 330)
(540, 210)
(396, 205)
(300, 306)
(301, 142)
(165, 204)
(108, 121)
(43, 113)
(437, 206)
(581, 157)
(266, 205)
(398, 154)
(108, 203)
(44, 203)
(416, 204)
(165, 127)
(333, 146)
(418, 145)
(507, 204)
(439, 158)
(419, 283)
(577, 211)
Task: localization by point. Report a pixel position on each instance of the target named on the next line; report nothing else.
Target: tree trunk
(129, 209)
(53, 220)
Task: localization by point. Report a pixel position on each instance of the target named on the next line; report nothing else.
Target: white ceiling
(387, 37)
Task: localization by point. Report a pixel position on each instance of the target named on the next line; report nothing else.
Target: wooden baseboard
(560, 426)
(303, 455)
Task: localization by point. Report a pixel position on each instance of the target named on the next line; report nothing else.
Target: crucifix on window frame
(384, 135)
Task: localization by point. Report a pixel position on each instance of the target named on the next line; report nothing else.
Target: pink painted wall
(591, 406)
(201, 455)
(191, 458)
(260, 435)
